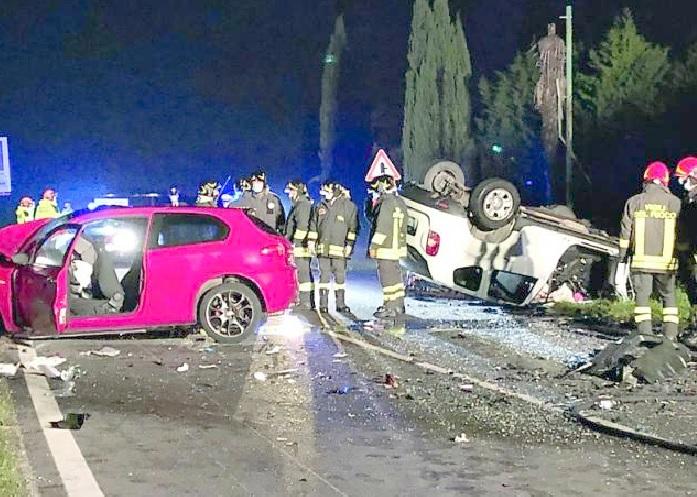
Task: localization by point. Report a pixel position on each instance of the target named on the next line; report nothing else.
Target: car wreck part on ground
(47, 366)
(8, 370)
(103, 352)
(71, 421)
(587, 419)
(648, 358)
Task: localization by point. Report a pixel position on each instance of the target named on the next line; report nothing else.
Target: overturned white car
(483, 243)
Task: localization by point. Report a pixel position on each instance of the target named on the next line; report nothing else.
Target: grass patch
(11, 480)
(622, 311)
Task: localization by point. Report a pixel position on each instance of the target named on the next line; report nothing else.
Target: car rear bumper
(280, 289)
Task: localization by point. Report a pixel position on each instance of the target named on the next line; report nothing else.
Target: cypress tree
(437, 103)
(419, 137)
(330, 86)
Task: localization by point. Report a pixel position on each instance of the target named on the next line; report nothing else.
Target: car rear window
(261, 224)
(173, 230)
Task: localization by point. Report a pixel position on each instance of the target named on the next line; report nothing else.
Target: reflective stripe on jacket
(335, 224)
(388, 239)
(648, 230)
(298, 226)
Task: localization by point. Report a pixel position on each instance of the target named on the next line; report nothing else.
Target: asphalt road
(327, 426)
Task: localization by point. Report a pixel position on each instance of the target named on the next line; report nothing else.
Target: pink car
(114, 270)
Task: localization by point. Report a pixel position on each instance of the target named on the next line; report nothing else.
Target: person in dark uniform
(264, 204)
(388, 245)
(208, 193)
(335, 224)
(648, 232)
(297, 230)
(686, 174)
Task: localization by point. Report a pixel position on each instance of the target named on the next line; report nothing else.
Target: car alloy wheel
(229, 314)
(498, 204)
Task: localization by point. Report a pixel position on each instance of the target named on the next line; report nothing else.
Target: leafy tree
(627, 74)
(330, 86)
(508, 126)
(437, 102)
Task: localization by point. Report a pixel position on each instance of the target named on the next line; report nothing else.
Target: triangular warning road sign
(381, 166)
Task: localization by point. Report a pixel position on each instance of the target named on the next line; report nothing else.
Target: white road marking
(73, 469)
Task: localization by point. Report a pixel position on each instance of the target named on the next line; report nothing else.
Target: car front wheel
(230, 313)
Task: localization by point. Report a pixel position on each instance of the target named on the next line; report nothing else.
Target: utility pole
(569, 103)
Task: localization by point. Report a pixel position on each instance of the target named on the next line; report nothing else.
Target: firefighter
(354, 225)
(648, 231)
(264, 204)
(297, 230)
(686, 174)
(48, 205)
(25, 210)
(244, 191)
(208, 193)
(335, 223)
(388, 245)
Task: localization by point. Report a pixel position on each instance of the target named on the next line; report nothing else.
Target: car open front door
(40, 286)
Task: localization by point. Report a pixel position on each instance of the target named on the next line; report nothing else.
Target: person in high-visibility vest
(298, 231)
(48, 205)
(25, 210)
(648, 232)
(388, 245)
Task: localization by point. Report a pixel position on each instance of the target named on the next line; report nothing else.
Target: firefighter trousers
(393, 291)
(664, 285)
(332, 267)
(306, 284)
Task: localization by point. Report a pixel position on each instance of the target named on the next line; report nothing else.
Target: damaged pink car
(118, 270)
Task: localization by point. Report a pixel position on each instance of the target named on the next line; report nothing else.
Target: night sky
(135, 95)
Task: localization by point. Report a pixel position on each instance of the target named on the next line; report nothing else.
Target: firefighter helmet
(686, 167)
(258, 175)
(657, 172)
(330, 187)
(244, 184)
(208, 187)
(382, 183)
(296, 185)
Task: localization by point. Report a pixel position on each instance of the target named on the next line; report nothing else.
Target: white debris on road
(103, 352)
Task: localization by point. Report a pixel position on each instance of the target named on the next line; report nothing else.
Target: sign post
(5, 176)
(382, 166)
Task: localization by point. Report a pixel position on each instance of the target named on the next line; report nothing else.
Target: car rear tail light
(432, 243)
(277, 249)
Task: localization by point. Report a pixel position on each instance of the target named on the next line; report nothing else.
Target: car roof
(116, 211)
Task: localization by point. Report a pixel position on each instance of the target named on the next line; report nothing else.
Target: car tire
(226, 323)
(494, 203)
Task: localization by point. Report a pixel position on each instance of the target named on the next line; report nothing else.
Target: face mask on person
(327, 195)
(257, 186)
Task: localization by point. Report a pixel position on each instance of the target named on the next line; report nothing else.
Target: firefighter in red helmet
(648, 233)
(686, 174)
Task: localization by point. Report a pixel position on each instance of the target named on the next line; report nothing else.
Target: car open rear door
(40, 287)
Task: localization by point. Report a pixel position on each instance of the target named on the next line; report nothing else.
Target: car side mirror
(20, 258)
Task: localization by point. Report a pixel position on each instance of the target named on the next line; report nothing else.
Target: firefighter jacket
(336, 224)
(687, 228)
(267, 207)
(388, 239)
(47, 209)
(648, 230)
(24, 214)
(206, 201)
(298, 226)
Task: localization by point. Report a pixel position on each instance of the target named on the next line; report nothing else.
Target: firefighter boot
(324, 300)
(340, 302)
